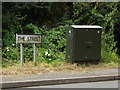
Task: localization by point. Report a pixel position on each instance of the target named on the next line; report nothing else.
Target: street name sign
(36, 38)
(28, 39)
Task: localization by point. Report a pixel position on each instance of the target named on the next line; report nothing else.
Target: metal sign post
(21, 55)
(25, 39)
(34, 55)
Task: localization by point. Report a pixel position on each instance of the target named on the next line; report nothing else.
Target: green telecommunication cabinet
(83, 43)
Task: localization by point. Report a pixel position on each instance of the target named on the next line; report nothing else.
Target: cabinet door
(87, 44)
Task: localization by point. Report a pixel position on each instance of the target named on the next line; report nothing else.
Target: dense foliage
(51, 20)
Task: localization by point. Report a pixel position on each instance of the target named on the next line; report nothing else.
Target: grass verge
(62, 67)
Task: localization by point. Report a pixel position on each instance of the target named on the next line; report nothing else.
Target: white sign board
(35, 38)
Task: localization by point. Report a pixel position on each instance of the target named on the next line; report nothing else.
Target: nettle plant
(54, 43)
(108, 42)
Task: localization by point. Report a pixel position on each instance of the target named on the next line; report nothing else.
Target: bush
(54, 35)
(10, 56)
(109, 57)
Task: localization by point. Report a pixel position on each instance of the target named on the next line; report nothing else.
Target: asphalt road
(103, 84)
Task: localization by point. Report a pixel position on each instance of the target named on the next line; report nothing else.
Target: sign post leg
(21, 54)
(34, 49)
